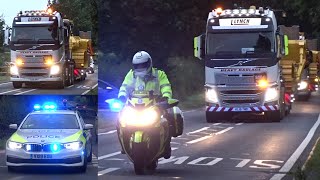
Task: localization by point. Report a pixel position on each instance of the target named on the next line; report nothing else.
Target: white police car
(50, 137)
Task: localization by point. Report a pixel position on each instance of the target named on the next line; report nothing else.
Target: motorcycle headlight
(212, 96)
(55, 69)
(14, 70)
(73, 145)
(303, 85)
(14, 145)
(272, 94)
(135, 118)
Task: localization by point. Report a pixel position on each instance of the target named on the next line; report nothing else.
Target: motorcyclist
(144, 77)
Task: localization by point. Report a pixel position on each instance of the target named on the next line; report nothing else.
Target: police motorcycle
(143, 129)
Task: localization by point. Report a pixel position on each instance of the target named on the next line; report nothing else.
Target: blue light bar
(55, 147)
(115, 105)
(37, 107)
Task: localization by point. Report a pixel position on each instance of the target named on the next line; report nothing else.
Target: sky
(10, 8)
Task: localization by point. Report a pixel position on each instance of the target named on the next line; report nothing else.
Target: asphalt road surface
(79, 88)
(240, 151)
(51, 173)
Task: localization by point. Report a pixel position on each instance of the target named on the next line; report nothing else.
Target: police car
(50, 137)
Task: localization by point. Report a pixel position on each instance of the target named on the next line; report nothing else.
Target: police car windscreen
(220, 44)
(51, 121)
(39, 35)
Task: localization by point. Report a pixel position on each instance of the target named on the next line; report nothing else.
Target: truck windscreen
(239, 43)
(34, 35)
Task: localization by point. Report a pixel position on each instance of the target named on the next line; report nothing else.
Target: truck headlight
(73, 145)
(14, 145)
(272, 94)
(14, 70)
(212, 96)
(303, 85)
(55, 69)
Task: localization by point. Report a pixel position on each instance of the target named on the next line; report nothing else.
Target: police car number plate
(40, 156)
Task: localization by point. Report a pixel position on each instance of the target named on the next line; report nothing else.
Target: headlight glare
(14, 145)
(271, 94)
(303, 85)
(55, 69)
(73, 145)
(212, 96)
(14, 70)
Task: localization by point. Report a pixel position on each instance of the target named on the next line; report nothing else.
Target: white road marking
(106, 171)
(10, 91)
(223, 131)
(115, 159)
(239, 124)
(294, 157)
(109, 132)
(264, 164)
(69, 86)
(174, 148)
(109, 155)
(243, 162)
(174, 143)
(180, 138)
(211, 163)
(5, 83)
(25, 92)
(199, 130)
(209, 136)
(216, 124)
(193, 135)
(178, 160)
(199, 139)
(87, 91)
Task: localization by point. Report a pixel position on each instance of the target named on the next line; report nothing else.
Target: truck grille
(234, 98)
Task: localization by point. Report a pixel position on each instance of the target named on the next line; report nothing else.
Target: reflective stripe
(73, 137)
(17, 138)
(164, 85)
(138, 137)
(123, 91)
(167, 93)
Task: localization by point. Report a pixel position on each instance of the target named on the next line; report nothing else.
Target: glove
(123, 99)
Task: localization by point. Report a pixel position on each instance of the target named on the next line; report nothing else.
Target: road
(51, 173)
(79, 88)
(240, 151)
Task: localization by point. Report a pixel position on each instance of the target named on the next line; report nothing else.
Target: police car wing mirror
(13, 126)
(88, 126)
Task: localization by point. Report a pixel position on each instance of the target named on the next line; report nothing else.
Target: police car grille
(35, 148)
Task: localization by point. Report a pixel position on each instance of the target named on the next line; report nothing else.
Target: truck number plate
(241, 109)
(40, 156)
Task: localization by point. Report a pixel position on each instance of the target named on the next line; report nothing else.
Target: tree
(2, 24)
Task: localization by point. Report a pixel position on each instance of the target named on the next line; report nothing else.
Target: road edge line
(293, 159)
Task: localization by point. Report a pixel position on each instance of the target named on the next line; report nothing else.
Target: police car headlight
(271, 94)
(303, 85)
(212, 96)
(55, 69)
(73, 145)
(14, 145)
(14, 70)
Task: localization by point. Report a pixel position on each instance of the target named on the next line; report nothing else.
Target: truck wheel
(17, 85)
(213, 117)
(273, 116)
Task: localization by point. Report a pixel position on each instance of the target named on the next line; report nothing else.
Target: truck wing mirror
(199, 46)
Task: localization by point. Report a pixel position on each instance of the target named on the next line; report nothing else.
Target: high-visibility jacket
(158, 82)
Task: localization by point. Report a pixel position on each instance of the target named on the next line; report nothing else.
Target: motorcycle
(143, 129)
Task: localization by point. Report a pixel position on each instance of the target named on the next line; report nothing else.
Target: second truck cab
(241, 49)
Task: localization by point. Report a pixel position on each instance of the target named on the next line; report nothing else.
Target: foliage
(83, 13)
(2, 23)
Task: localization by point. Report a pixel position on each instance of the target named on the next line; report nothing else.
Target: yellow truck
(300, 66)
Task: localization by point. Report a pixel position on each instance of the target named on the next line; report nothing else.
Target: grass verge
(3, 143)
(4, 78)
(193, 102)
(312, 167)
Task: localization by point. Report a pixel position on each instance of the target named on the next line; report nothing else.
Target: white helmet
(142, 63)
